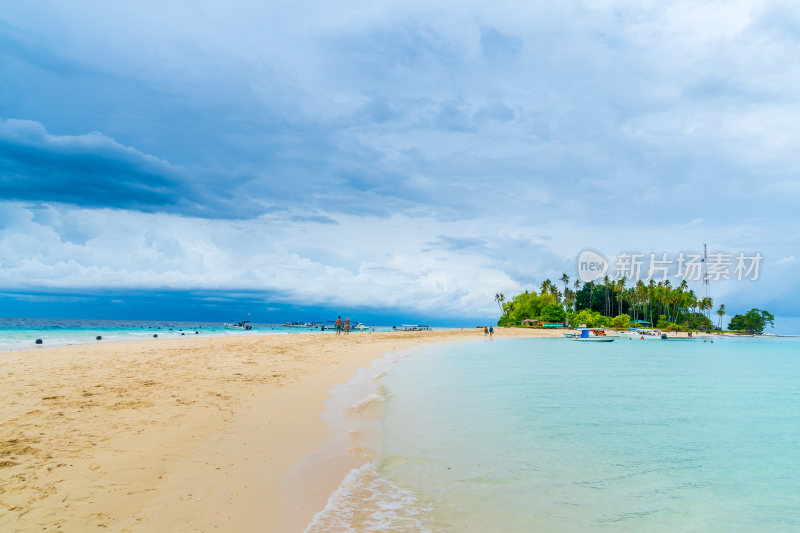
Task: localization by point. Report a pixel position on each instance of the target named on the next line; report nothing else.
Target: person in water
(347, 326)
(339, 326)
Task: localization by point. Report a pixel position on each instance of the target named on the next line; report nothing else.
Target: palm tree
(565, 281)
(499, 298)
(707, 304)
(606, 309)
(641, 292)
(720, 314)
(546, 286)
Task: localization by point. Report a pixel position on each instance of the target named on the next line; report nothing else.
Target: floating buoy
(99, 338)
(38, 341)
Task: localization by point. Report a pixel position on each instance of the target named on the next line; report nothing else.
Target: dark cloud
(89, 170)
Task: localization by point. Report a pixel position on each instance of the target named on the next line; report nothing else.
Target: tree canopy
(754, 321)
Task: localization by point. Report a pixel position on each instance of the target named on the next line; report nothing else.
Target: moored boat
(411, 327)
(242, 324)
(593, 335)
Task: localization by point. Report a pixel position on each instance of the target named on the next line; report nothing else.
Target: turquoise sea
(21, 333)
(552, 435)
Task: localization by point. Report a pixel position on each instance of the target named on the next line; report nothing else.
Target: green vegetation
(754, 321)
(611, 304)
(528, 305)
(553, 313)
(592, 319)
(621, 322)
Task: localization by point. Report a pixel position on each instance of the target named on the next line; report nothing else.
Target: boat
(411, 327)
(643, 334)
(242, 324)
(570, 335)
(593, 335)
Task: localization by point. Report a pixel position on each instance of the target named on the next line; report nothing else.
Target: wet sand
(195, 434)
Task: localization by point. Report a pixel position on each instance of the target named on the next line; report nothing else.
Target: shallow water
(21, 333)
(556, 435)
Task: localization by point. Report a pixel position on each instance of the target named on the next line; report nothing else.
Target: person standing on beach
(491, 331)
(347, 326)
(485, 330)
(339, 326)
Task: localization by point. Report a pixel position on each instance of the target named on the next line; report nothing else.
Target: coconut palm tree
(720, 314)
(499, 298)
(641, 293)
(651, 294)
(620, 289)
(707, 304)
(546, 286)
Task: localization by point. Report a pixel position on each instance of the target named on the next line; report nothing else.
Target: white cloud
(398, 262)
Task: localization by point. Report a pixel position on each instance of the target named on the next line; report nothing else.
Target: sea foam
(366, 501)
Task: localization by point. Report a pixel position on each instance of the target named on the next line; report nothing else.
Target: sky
(397, 159)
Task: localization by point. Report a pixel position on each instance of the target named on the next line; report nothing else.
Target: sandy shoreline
(187, 434)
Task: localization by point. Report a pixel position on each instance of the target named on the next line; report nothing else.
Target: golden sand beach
(195, 434)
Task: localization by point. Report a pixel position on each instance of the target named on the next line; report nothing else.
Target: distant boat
(411, 327)
(242, 324)
(593, 335)
(646, 334)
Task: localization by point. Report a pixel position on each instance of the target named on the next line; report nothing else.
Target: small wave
(368, 402)
(366, 501)
(379, 375)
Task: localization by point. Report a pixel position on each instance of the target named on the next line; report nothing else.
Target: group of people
(343, 326)
(488, 331)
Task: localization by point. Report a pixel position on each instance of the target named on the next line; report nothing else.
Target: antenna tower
(705, 267)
